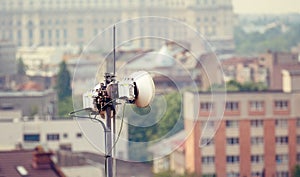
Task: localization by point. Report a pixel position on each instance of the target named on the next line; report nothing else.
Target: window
(281, 140)
(298, 122)
(207, 141)
(208, 124)
(209, 175)
(79, 135)
(298, 157)
(256, 123)
(53, 137)
(257, 158)
(232, 123)
(65, 135)
(281, 105)
(213, 19)
(42, 35)
(281, 123)
(298, 139)
(257, 173)
(30, 34)
(232, 106)
(233, 159)
(207, 160)
(232, 141)
(57, 33)
(281, 158)
(282, 174)
(80, 32)
(31, 137)
(233, 174)
(65, 33)
(79, 21)
(256, 105)
(206, 106)
(257, 140)
(49, 34)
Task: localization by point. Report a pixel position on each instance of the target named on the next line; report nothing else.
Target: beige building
(76, 22)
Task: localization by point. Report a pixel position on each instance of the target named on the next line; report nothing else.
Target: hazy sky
(266, 6)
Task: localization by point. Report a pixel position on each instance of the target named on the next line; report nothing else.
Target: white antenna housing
(145, 87)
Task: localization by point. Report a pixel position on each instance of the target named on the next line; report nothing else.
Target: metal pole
(114, 112)
(109, 172)
(114, 49)
(114, 141)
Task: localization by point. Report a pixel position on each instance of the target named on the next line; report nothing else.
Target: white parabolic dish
(145, 87)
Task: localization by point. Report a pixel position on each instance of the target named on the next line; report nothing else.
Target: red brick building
(259, 134)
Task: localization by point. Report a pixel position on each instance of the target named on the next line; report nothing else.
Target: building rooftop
(18, 163)
(25, 93)
(123, 168)
(240, 92)
(69, 160)
(168, 145)
(30, 86)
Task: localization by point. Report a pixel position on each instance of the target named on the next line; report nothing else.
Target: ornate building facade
(76, 22)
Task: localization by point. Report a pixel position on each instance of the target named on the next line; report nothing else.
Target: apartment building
(77, 22)
(77, 136)
(258, 134)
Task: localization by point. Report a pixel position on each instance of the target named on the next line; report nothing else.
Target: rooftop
(18, 163)
(25, 93)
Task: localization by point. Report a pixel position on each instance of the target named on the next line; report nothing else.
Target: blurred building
(56, 134)
(41, 61)
(275, 63)
(76, 22)
(8, 63)
(259, 134)
(33, 163)
(30, 102)
(168, 154)
(173, 67)
(244, 69)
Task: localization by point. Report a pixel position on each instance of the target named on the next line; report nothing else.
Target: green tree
(296, 171)
(63, 85)
(65, 106)
(21, 67)
(233, 85)
(273, 39)
(172, 121)
(168, 125)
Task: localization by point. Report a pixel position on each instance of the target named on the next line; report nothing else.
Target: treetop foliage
(63, 85)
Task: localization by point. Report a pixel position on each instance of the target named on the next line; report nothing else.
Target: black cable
(120, 130)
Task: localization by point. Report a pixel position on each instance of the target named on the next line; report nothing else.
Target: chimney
(42, 159)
